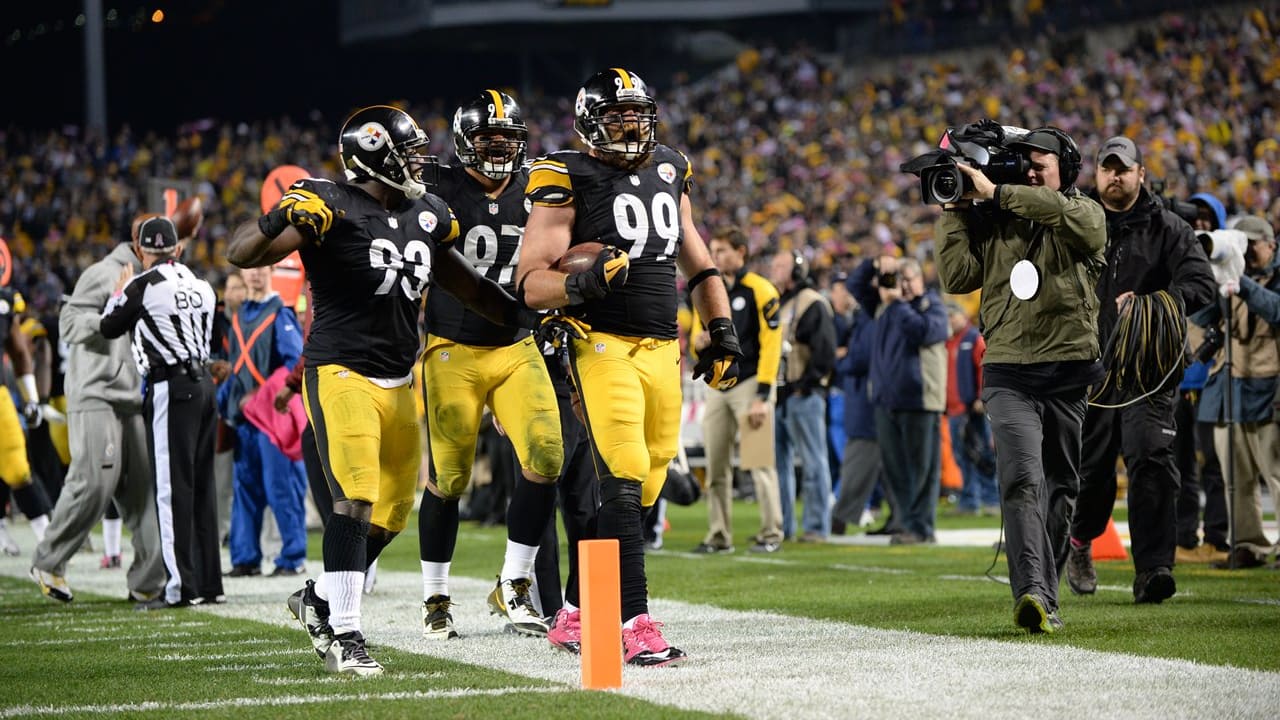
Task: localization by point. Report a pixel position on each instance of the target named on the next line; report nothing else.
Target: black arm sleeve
(124, 314)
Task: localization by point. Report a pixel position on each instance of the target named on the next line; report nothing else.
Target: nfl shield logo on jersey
(667, 172)
(428, 220)
(444, 356)
(493, 208)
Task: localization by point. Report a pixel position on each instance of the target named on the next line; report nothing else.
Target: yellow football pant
(367, 436)
(631, 396)
(14, 468)
(459, 380)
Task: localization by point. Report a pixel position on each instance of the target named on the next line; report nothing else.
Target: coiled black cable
(1146, 347)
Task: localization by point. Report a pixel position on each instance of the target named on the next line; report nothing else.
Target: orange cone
(1108, 545)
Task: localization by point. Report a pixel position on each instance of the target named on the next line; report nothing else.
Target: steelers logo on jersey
(372, 136)
(738, 303)
(427, 220)
(667, 172)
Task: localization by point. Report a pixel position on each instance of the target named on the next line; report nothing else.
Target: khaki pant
(719, 430)
(1254, 453)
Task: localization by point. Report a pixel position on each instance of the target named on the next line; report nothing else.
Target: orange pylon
(1108, 545)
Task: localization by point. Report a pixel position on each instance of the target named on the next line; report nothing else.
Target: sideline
(764, 665)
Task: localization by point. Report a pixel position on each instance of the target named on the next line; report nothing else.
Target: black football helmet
(489, 134)
(596, 111)
(385, 144)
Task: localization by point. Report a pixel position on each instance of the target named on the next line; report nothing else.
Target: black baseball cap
(157, 235)
(1041, 140)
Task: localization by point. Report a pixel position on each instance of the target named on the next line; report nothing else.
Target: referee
(170, 312)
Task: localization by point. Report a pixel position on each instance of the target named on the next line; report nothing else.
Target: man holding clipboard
(746, 408)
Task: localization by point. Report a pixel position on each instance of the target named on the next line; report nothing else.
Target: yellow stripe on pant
(631, 395)
(368, 440)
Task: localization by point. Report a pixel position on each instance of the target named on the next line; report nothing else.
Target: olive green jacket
(978, 249)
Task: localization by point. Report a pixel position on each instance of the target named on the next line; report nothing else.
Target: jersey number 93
(384, 255)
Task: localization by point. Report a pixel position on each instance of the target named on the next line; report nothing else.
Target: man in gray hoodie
(108, 441)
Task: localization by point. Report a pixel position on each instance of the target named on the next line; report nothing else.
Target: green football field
(856, 629)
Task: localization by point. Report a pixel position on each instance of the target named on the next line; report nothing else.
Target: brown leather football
(188, 216)
(579, 258)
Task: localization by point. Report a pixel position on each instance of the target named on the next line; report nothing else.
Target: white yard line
(247, 702)
(764, 665)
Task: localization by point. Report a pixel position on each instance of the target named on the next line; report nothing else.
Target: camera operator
(1149, 250)
(1198, 463)
(1036, 251)
(1255, 366)
(908, 380)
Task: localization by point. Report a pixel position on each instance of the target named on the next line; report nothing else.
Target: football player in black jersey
(15, 469)
(630, 193)
(470, 362)
(370, 246)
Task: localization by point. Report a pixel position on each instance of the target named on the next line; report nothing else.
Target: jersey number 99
(633, 222)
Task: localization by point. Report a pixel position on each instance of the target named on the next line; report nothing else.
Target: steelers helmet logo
(427, 220)
(372, 136)
(667, 172)
(580, 104)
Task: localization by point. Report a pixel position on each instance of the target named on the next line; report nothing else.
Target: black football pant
(321, 493)
(1143, 434)
(181, 426)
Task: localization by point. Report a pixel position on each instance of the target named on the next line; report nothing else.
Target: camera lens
(945, 186)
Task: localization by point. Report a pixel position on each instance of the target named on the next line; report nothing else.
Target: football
(188, 216)
(579, 258)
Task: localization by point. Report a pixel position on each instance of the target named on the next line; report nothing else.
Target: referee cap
(157, 234)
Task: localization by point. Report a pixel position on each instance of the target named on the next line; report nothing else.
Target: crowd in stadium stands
(799, 149)
(792, 146)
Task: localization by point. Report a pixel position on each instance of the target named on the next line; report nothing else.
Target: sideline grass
(99, 656)
(1218, 616)
(108, 659)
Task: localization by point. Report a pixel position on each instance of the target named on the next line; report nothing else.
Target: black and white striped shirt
(170, 311)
